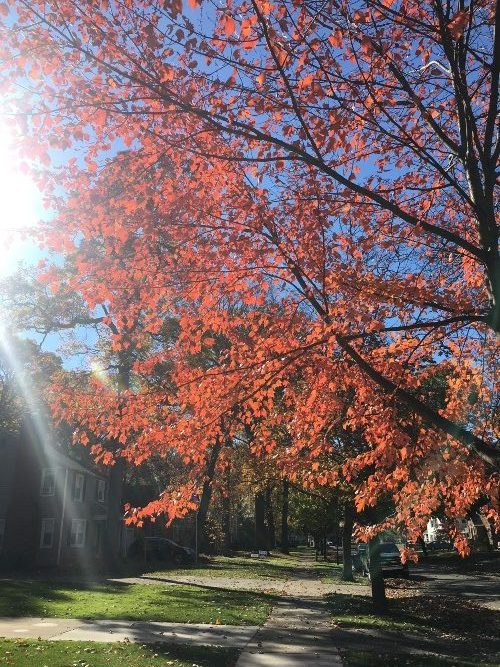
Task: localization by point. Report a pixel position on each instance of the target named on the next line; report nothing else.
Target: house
(475, 529)
(56, 510)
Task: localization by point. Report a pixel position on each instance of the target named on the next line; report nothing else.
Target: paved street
(483, 589)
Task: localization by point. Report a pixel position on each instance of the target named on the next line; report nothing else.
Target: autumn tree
(334, 162)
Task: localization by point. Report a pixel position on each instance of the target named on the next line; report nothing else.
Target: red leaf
(458, 23)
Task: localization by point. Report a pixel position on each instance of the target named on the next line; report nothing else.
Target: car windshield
(389, 548)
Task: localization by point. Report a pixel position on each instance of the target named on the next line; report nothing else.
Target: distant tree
(25, 373)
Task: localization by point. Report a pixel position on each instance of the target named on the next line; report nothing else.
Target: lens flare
(100, 374)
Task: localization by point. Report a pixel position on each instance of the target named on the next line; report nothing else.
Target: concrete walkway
(294, 587)
(298, 632)
(194, 634)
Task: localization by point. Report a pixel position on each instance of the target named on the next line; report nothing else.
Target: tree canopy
(313, 182)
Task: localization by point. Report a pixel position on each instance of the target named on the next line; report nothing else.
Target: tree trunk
(316, 546)
(347, 541)
(494, 534)
(113, 546)
(483, 537)
(377, 580)
(423, 546)
(271, 530)
(260, 521)
(206, 496)
(226, 510)
(226, 522)
(285, 547)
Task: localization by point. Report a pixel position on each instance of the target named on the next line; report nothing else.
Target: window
(101, 490)
(78, 487)
(77, 535)
(98, 539)
(2, 533)
(47, 534)
(48, 485)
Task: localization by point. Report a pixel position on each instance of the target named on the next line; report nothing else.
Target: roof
(49, 451)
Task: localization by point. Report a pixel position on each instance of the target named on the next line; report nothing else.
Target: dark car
(439, 545)
(161, 548)
(390, 558)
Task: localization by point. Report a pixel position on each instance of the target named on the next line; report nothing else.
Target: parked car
(390, 558)
(439, 545)
(161, 548)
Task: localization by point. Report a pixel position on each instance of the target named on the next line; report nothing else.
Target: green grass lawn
(438, 621)
(144, 602)
(239, 566)
(278, 567)
(356, 611)
(363, 658)
(32, 653)
(330, 572)
(423, 613)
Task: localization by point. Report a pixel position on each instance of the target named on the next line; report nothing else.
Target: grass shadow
(27, 653)
(440, 620)
(135, 602)
(22, 598)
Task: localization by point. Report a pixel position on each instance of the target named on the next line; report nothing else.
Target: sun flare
(19, 206)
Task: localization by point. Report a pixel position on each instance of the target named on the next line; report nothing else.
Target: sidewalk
(54, 629)
(298, 632)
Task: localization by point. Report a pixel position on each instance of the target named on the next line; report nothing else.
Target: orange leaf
(458, 23)
(335, 39)
(230, 26)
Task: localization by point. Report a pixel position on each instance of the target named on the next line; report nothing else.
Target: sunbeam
(38, 430)
(21, 205)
